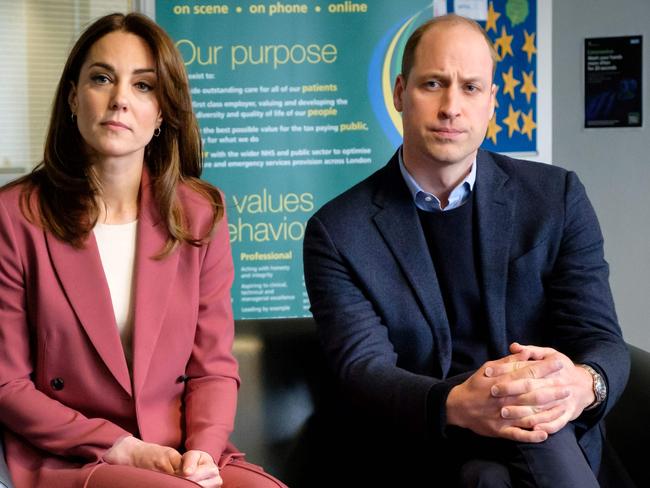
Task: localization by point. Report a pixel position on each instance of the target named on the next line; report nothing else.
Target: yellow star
(529, 124)
(528, 88)
(512, 121)
(504, 42)
(510, 83)
(493, 129)
(529, 44)
(492, 18)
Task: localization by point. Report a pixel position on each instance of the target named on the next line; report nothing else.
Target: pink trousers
(235, 474)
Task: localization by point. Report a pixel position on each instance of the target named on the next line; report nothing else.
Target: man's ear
(493, 100)
(398, 91)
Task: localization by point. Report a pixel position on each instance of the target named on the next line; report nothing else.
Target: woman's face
(115, 97)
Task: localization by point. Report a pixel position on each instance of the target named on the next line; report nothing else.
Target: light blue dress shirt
(429, 202)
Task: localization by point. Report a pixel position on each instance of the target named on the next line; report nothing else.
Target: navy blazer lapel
(82, 277)
(399, 224)
(153, 282)
(495, 210)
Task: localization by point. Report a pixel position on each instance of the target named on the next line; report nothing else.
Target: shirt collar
(427, 201)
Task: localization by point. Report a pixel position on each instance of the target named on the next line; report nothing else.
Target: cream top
(116, 245)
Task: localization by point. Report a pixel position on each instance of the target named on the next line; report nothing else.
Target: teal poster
(294, 100)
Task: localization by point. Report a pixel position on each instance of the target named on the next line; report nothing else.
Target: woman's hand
(198, 466)
(129, 451)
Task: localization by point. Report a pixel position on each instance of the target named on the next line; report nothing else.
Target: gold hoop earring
(73, 117)
(157, 132)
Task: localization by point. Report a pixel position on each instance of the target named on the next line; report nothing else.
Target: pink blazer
(65, 391)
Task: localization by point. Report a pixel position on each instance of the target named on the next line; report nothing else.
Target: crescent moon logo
(385, 65)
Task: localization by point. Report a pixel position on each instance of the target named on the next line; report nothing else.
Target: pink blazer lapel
(82, 277)
(153, 282)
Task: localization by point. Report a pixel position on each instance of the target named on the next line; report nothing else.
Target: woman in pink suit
(115, 271)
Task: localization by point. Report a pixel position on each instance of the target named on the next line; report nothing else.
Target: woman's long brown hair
(62, 183)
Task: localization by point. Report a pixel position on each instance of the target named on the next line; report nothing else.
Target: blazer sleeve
(44, 422)
(580, 306)
(356, 342)
(211, 390)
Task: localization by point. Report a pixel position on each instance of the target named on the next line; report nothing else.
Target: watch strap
(599, 386)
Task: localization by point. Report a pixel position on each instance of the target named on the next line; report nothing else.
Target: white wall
(614, 164)
(14, 119)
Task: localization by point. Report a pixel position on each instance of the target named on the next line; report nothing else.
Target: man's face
(448, 99)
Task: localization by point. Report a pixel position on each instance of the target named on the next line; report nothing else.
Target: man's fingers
(515, 412)
(538, 369)
(553, 426)
(530, 417)
(541, 397)
(505, 366)
(535, 352)
(529, 385)
(524, 369)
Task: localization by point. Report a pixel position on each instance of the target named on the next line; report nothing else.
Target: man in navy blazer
(462, 297)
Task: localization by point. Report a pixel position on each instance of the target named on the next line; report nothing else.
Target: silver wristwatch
(599, 386)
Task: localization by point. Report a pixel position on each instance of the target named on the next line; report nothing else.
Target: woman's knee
(242, 474)
(115, 476)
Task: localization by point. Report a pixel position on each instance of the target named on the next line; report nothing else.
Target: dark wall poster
(613, 81)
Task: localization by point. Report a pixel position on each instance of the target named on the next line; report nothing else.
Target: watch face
(600, 389)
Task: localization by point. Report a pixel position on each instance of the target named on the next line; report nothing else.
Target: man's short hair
(408, 57)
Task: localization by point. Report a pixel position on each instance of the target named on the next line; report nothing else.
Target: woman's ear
(72, 98)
